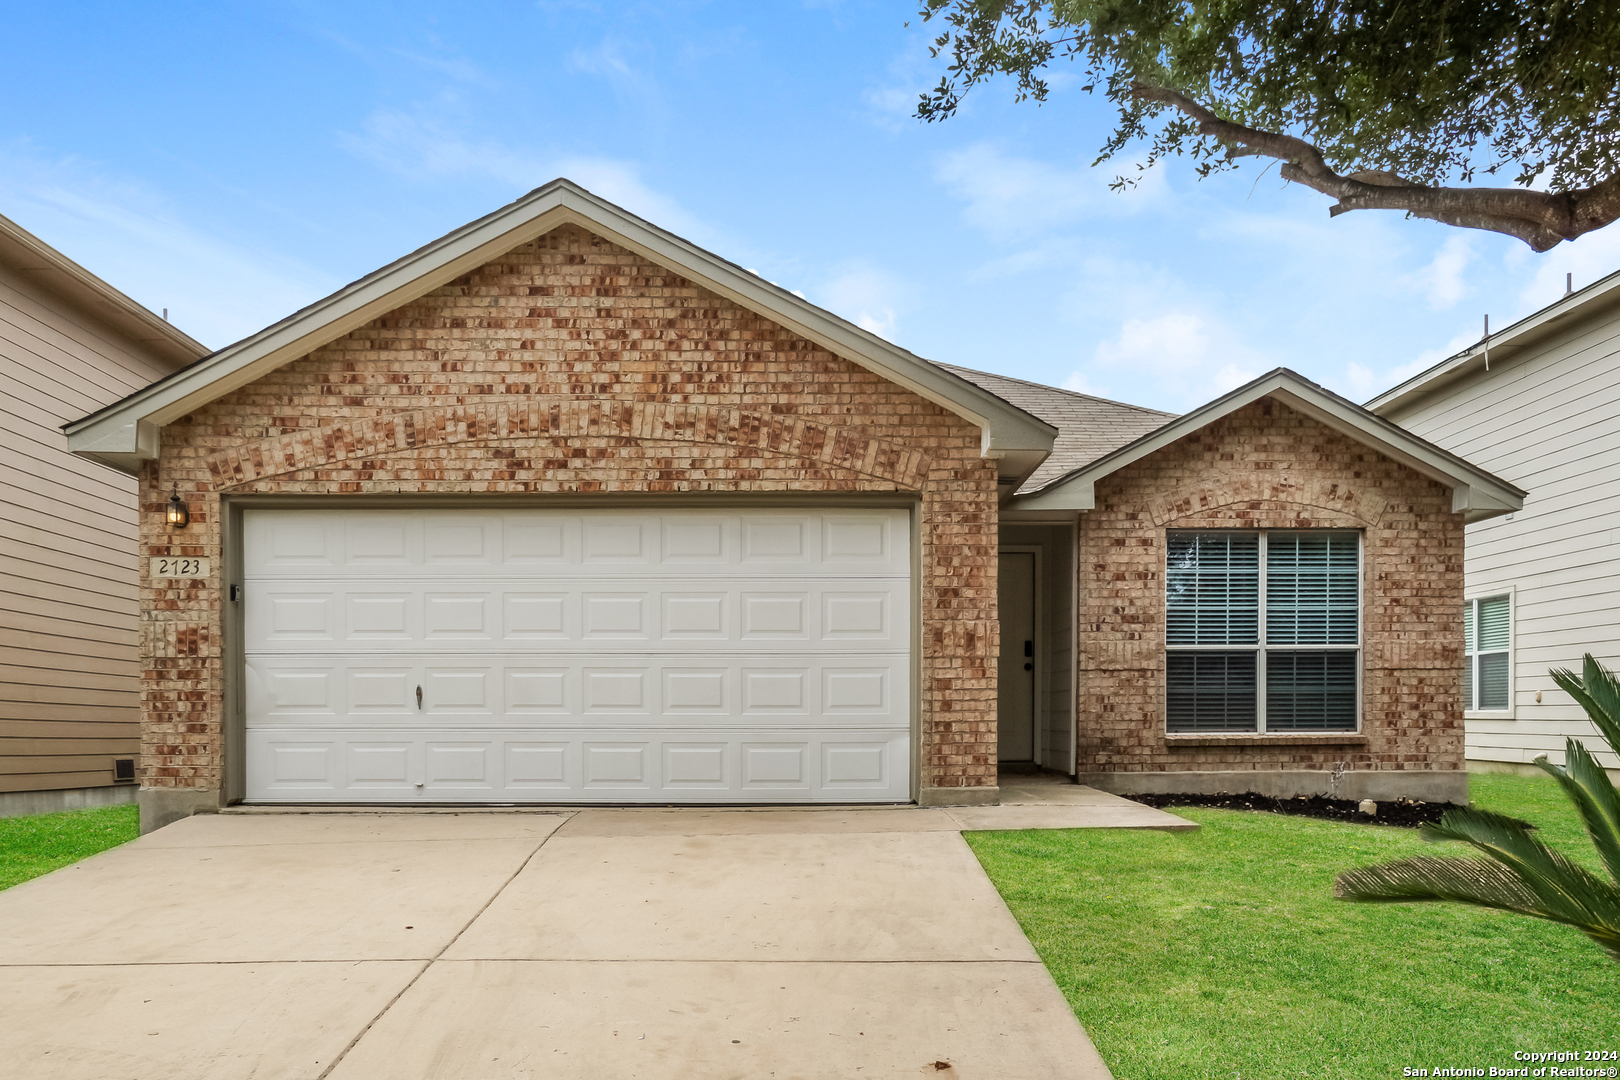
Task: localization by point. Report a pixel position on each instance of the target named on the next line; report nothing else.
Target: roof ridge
(1054, 389)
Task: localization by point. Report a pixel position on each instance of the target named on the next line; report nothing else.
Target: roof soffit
(1007, 431)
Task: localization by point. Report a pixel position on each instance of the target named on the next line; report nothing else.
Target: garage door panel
(734, 691)
(539, 691)
(577, 765)
(537, 616)
(539, 767)
(606, 656)
(698, 766)
(464, 617)
(371, 543)
(776, 767)
(829, 616)
(468, 693)
(379, 764)
(464, 767)
(301, 766)
(621, 765)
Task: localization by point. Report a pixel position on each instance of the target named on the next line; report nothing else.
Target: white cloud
(1360, 382)
(608, 61)
(1442, 280)
(866, 296)
(216, 290)
(1019, 197)
(1183, 355)
(1588, 258)
(1078, 383)
(892, 103)
(413, 146)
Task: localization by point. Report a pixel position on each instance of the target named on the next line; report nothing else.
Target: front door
(1015, 674)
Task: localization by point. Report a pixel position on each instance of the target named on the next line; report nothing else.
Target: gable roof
(1088, 427)
(1475, 493)
(1597, 299)
(126, 432)
(48, 268)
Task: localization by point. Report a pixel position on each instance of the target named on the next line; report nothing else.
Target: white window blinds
(1311, 587)
(1486, 640)
(1213, 589)
(1262, 630)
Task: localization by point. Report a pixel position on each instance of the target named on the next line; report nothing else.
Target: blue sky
(234, 161)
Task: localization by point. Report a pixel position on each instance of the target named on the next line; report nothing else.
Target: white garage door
(592, 656)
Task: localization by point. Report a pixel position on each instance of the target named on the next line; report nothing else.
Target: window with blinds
(1487, 646)
(1262, 630)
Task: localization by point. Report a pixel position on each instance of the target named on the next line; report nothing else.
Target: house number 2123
(168, 566)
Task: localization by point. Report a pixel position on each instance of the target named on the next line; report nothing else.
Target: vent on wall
(124, 769)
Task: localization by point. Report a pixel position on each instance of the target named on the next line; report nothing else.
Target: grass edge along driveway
(39, 843)
(1221, 952)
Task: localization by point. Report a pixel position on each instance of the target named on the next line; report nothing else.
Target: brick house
(561, 508)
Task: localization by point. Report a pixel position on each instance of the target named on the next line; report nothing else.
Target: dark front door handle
(1029, 667)
(418, 697)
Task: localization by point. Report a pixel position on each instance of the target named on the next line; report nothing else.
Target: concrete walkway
(596, 943)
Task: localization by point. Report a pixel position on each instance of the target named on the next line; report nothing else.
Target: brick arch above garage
(552, 443)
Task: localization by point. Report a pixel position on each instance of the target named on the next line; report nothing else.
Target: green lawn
(1221, 953)
(31, 846)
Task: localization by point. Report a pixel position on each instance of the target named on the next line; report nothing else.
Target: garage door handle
(418, 697)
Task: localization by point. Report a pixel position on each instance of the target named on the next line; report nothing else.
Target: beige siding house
(69, 669)
(1543, 584)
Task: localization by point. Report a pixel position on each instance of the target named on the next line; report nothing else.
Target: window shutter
(1468, 626)
(1212, 589)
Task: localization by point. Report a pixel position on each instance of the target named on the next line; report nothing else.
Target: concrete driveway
(601, 943)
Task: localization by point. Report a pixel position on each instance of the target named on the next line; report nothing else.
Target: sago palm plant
(1518, 872)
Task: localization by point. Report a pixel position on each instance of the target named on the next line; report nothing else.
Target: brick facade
(571, 365)
(1266, 466)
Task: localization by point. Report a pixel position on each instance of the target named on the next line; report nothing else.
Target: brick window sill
(1290, 738)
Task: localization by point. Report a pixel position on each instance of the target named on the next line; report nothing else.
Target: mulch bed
(1403, 813)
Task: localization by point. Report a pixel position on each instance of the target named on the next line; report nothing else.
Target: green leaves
(1428, 91)
(1518, 872)
(1597, 690)
(1590, 789)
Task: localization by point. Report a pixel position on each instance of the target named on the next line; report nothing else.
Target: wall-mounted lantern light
(179, 516)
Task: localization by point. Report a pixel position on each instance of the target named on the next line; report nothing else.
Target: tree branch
(1541, 219)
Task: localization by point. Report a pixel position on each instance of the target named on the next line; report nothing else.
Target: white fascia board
(1079, 493)
(1595, 299)
(1482, 495)
(1006, 430)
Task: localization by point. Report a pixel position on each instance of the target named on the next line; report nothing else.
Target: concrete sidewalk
(598, 943)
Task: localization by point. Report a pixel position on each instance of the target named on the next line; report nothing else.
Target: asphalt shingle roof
(1088, 427)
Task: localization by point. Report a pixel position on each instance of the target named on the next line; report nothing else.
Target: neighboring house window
(1487, 643)
(1263, 630)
